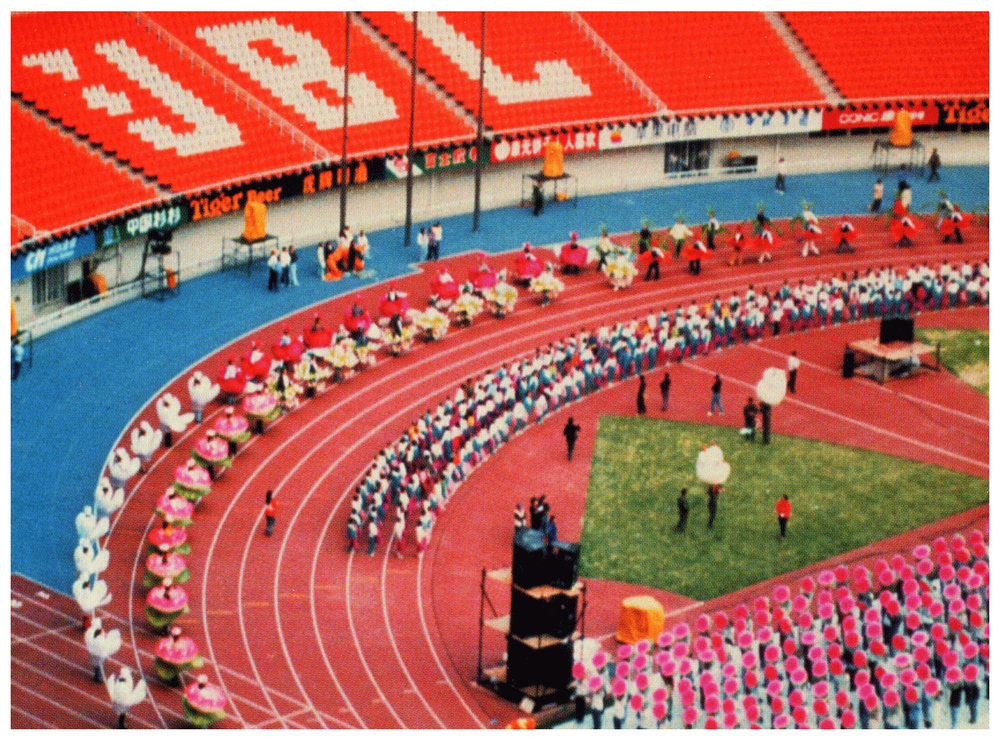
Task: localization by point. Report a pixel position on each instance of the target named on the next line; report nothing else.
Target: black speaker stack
(543, 612)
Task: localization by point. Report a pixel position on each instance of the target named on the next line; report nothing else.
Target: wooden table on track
(885, 354)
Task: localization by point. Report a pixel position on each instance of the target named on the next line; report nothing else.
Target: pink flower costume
(211, 452)
(393, 303)
(174, 505)
(176, 653)
(527, 266)
(166, 603)
(444, 287)
(483, 277)
(262, 406)
(168, 539)
(231, 427)
(204, 704)
(161, 565)
(191, 481)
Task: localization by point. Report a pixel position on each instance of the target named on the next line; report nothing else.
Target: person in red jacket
(270, 512)
(784, 511)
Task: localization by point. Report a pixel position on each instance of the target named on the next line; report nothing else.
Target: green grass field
(966, 353)
(842, 499)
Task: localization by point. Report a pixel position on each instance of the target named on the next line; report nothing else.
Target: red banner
(966, 113)
(844, 119)
(531, 148)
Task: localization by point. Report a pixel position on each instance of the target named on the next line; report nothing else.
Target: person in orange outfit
(784, 511)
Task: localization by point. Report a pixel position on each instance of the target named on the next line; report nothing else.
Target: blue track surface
(89, 378)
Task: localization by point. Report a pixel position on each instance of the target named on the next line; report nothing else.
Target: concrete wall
(381, 204)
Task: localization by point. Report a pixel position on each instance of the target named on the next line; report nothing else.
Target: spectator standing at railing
(877, 191)
(284, 261)
(779, 181)
(272, 271)
(293, 267)
(437, 235)
(424, 243)
(16, 358)
(934, 163)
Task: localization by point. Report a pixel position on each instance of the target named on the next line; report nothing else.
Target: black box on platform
(533, 614)
(528, 566)
(564, 559)
(549, 666)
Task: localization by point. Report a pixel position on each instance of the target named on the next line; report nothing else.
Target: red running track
(301, 634)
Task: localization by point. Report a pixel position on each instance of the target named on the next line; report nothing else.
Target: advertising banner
(721, 126)
(167, 217)
(965, 113)
(846, 119)
(276, 189)
(531, 148)
(57, 252)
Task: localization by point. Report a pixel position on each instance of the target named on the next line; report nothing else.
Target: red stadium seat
(87, 184)
(899, 54)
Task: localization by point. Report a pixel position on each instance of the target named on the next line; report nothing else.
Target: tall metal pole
(479, 123)
(409, 148)
(344, 169)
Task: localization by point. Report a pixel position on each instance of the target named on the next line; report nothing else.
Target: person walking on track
(270, 510)
(640, 398)
(793, 370)
(716, 403)
(665, 390)
(571, 431)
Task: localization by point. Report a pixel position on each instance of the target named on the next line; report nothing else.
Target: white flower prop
(711, 467)
(123, 693)
(122, 467)
(771, 387)
(366, 353)
(89, 558)
(90, 526)
(399, 344)
(466, 307)
(433, 323)
(201, 390)
(309, 371)
(501, 298)
(547, 285)
(107, 499)
(343, 356)
(620, 272)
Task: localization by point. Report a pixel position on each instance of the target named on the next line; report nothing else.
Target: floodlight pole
(479, 123)
(409, 148)
(344, 169)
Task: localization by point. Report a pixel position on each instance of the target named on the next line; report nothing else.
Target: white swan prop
(124, 693)
(168, 411)
(122, 467)
(145, 441)
(90, 558)
(202, 391)
(107, 499)
(89, 596)
(710, 467)
(91, 526)
(101, 645)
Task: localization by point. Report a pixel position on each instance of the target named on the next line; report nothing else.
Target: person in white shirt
(423, 242)
(272, 271)
(793, 371)
(284, 260)
(437, 234)
(679, 232)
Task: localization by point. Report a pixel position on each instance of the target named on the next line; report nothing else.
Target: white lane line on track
(56, 704)
(845, 418)
(88, 672)
(43, 633)
(89, 698)
(239, 676)
(879, 387)
(740, 279)
(35, 717)
(395, 648)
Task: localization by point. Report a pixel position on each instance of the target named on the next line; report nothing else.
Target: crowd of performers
(903, 644)
(346, 256)
(411, 479)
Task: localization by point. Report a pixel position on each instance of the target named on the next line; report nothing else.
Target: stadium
(468, 370)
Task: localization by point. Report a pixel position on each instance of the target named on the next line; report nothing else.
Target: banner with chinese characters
(656, 131)
(167, 217)
(532, 147)
(280, 188)
(57, 252)
(846, 119)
